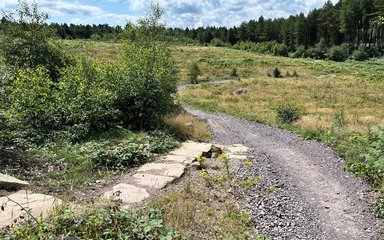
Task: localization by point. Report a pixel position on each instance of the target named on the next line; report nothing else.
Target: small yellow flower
(201, 158)
(222, 157)
(203, 173)
(220, 179)
(248, 162)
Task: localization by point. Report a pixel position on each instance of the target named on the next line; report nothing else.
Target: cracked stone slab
(237, 148)
(238, 157)
(15, 207)
(202, 147)
(164, 169)
(183, 151)
(8, 182)
(177, 159)
(126, 193)
(152, 181)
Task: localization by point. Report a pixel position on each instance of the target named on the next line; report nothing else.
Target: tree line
(357, 23)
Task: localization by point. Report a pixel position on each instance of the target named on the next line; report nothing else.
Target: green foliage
(276, 73)
(280, 49)
(360, 55)
(26, 44)
(233, 72)
(146, 84)
(81, 102)
(99, 222)
(217, 42)
(194, 72)
(287, 113)
(338, 53)
(131, 151)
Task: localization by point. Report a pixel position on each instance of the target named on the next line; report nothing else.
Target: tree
(26, 42)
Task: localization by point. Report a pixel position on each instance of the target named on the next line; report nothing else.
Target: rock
(238, 148)
(23, 205)
(177, 159)
(152, 181)
(163, 169)
(126, 193)
(202, 147)
(10, 183)
(241, 91)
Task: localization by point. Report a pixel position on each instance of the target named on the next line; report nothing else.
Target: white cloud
(178, 13)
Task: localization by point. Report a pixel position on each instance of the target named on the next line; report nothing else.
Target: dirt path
(305, 194)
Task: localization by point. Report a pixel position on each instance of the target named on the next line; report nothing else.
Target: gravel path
(304, 193)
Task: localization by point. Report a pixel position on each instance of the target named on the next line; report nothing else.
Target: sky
(177, 13)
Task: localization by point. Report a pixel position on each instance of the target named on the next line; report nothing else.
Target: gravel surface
(304, 192)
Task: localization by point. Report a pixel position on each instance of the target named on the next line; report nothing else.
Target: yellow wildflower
(248, 162)
(203, 173)
(222, 157)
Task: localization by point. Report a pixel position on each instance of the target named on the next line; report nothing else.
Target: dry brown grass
(187, 127)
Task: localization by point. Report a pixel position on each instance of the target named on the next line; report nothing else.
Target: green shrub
(360, 55)
(98, 222)
(194, 72)
(280, 49)
(276, 73)
(287, 113)
(217, 42)
(147, 84)
(338, 53)
(233, 72)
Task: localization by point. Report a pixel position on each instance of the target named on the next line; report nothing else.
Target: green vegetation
(287, 113)
(194, 72)
(337, 104)
(98, 222)
(53, 124)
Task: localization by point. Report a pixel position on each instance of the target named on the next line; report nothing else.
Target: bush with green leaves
(338, 53)
(147, 84)
(217, 42)
(98, 222)
(26, 41)
(360, 55)
(194, 72)
(276, 73)
(280, 49)
(81, 102)
(233, 73)
(287, 113)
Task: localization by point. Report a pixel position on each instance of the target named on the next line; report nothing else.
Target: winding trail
(305, 194)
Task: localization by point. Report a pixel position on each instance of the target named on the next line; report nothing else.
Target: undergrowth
(97, 222)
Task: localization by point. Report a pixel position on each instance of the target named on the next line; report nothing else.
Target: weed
(288, 113)
(233, 72)
(276, 73)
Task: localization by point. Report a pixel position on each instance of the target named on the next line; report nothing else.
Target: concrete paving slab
(126, 193)
(152, 181)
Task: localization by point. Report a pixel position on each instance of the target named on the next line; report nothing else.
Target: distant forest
(358, 24)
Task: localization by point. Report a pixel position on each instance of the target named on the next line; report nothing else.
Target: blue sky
(177, 13)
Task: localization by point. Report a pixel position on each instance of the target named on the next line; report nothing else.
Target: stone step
(10, 183)
(21, 205)
(127, 193)
(163, 169)
(152, 181)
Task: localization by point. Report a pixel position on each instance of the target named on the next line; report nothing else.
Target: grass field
(323, 90)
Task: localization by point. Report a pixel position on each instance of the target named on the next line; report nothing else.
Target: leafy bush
(300, 52)
(233, 72)
(280, 49)
(288, 113)
(360, 55)
(276, 73)
(194, 72)
(99, 222)
(146, 84)
(217, 42)
(338, 53)
(26, 43)
(82, 101)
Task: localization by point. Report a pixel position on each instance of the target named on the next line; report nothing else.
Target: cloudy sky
(177, 13)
